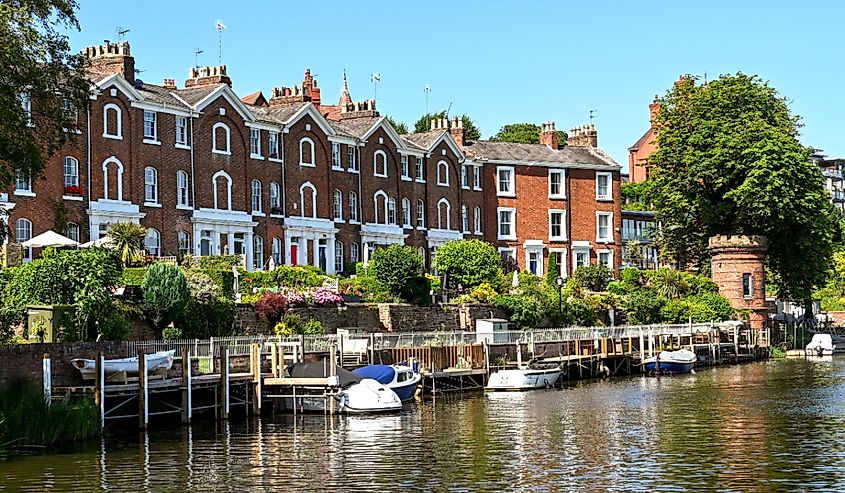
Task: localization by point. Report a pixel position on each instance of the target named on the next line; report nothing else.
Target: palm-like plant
(670, 283)
(128, 238)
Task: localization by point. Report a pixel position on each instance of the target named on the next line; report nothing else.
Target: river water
(769, 426)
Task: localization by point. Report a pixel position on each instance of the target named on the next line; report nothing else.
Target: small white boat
(820, 345)
(523, 378)
(400, 378)
(356, 395)
(680, 361)
(127, 366)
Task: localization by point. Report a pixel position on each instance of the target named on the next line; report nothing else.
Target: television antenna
(121, 33)
(219, 26)
(197, 54)
(593, 115)
(375, 78)
(426, 90)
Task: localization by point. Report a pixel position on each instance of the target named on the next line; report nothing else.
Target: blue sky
(500, 62)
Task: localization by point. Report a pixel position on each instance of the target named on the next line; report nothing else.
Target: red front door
(293, 255)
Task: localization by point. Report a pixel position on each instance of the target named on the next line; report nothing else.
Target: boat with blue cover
(398, 378)
(680, 361)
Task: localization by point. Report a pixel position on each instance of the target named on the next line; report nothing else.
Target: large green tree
(729, 162)
(43, 88)
(400, 127)
(471, 132)
(525, 133)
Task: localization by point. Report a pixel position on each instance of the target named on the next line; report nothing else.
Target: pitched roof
(536, 153)
(194, 95)
(641, 141)
(160, 95)
(283, 113)
(356, 127)
(424, 140)
(255, 99)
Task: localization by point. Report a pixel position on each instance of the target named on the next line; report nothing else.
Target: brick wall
(733, 257)
(25, 360)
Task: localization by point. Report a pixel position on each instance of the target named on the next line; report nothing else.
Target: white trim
(23, 193)
(512, 236)
(511, 192)
(214, 150)
(227, 93)
(152, 204)
(448, 214)
(580, 247)
(313, 163)
(610, 257)
(389, 130)
(159, 108)
(106, 162)
(228, 178)
(119, 134)
(478, 218)
(450, 142)
(375, 206)
(310, 110)
(609, 196)
(535, 246)
(153, 142)
(302, 188)
(75, 198)
(439, 181)
(376, 153)
(253, 155)
(120, 84)
(609, 227)
(563, 260)
(562, 237)
(562, 194)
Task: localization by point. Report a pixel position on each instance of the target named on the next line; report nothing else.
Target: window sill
(407, 226)
(184, 208)
(308, 165)
(557, 197)
(506, 238)
(604, 199)
(352, 170)
(75, 198)
(554, 239)
(277, 216)
(339, 221)
(605, 242)
(377, 175)
(182, 146)
(113, 137)
(224, 153)
(420, 228)
(256, 156)
(152, 204)
(478, 232)
(463, 187)
(257, 213)
(466, 232)
(152, 141)
(476, 189)
(337, 168)
(274, 159)
(506, 194)
(23, 193)
(406, 178)
(354, 222)
(419, 181)
(442, 184)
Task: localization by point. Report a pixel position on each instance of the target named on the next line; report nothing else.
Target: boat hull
(522, 379)
(401, 379)
(668, 367)
(366, 397)
(680, 361)
(156, 361)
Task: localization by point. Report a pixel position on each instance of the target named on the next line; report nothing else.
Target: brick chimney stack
(111, 58)
(309, 83)
(359, 109)
(169, 84)
(456, 129)
(653, 108)
(583, 136)
(548, 135)
(206, 76)
(287, 95)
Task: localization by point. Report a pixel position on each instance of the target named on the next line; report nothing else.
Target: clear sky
(527, 61)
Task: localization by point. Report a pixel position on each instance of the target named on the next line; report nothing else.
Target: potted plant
(73, 190)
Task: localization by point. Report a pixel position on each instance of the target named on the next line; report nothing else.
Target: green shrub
(593, 277)
(166, 293)
(698, 284)
(675, 311)
(632, 277)
(617, 287)
(528, 281)
(171, 333)
(483, 293)
(469, 263)
(133, 276)
(208, 313)
(711, 307)
(113, 325)
(299, 277)
(215, 262)
(669, 283)
(397, 268)
(525, 311)
(644, 307)
(313, 327)
(292, 324)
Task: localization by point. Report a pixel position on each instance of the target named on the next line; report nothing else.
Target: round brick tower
(737, 267)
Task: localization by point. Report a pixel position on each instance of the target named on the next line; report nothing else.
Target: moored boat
(129, 366)
(680, 361)
(820, 345)
(399, 378)
(523, 378)
(356, 395)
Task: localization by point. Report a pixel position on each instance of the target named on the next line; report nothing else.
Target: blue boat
(398, 378)
(680, 361)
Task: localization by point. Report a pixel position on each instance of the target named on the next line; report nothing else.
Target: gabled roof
(120, 84)
(224, 91)
(512, 152)
(356, 127)
(255, 99)
(308, 109)
(641, 141)
(193, 95)
(160, 95)
(424, 140)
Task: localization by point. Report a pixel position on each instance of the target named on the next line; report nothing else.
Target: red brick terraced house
(287, 180)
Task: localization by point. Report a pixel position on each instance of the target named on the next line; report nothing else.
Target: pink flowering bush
(294, 297)
(323, 296)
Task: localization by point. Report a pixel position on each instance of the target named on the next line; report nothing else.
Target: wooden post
(301, 355)
(332, 372)
(224, 382)
(100, 388)
(256, 378)
(274, 360)
(340, 347)
(143, 395)
(642, 344)
(372, 359)
(47, 379)
(186, 386)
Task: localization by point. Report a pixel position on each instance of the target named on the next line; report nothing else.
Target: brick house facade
(288, 180)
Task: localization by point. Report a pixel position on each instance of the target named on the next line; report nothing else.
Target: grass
(27, 421)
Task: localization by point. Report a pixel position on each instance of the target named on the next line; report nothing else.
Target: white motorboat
(123, 366)
(523, 378)
(356, 395)
(820, 345)
(400, 378)
(668, 362)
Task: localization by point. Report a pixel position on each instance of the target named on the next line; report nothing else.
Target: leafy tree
(636, 196)
(128, 239)
(400, 127)
(208, 312)
(397, 267)
(729, 162)
(525, 133)
(644, 307)
(593, 277)
(166, 293)
(469, 263)
(38, 66)
(471, 132)
(668, 283)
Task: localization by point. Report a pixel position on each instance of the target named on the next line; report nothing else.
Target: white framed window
(604, 185)
(444, 214)
(69, 110)
(181, 130)
(557, 225)
(420, 213)
(406, 212)
(464, 219)
(505, 186)
(353, 207)
(26, 104)
(150, 185)
(534, 261)
(182, 196)
(380, 164)
(228, 190)
(443, 173)
(353, 252)
(557, 261)
(747, 292)
(184, 239)
(273, 145)
(581, 257)
(276, 250)
(71, 172)
(338, 205)
(73, 231)
(419, 170)
(336, 156)
(391, 211)
(406, 171)
(557, 184)
(476, 177)
(477, 214)
(23, 183)
(306, 152)
(338, 256)
(604, 227)
(605, 258)
(112, 121)
(152, 243)
(150, 127)
(221, 139)
(275, 198)
(257, 252)
(506, 252)
(352, 163)
(254, 143)
(507, 223)
(256, 197)
(23, 232)
(306, 191)
(464, 176)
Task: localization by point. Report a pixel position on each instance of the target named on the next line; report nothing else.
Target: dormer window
(306, 152)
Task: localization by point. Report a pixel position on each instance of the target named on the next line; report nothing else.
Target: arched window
(380, 207)
(184, 243)
(276, 250)
(182, 196)
(108, 164)
(306, 152)
(353, 207)
(406, 212)
(112, 121)
(256, 196)
(478, 219)
(337, 205)
(275, 198)
(308, 207)
(219, 191)
(73, 231)
(71, 172)
(444, 210)
(150, 185)
(420, 213)
(443, 173)
(221, 139)
(353, 252)
(23, 232)
(257, 252)
(338, 256)
(153, 242)
(391, 211)
(465, 219)
(380, 164)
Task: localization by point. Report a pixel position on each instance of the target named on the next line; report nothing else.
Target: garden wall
(24, 360)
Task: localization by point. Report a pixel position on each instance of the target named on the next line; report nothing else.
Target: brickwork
(739, 271)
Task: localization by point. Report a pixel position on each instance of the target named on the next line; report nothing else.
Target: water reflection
(774, 426)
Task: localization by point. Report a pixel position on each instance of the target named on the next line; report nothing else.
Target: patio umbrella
(101, 242)
(49, 239)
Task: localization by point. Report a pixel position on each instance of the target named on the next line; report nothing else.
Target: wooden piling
(47, 379)
(100, 388)
(143, 395)
(224, 382)
(256, 378)
(332, 373)
(186, 386)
